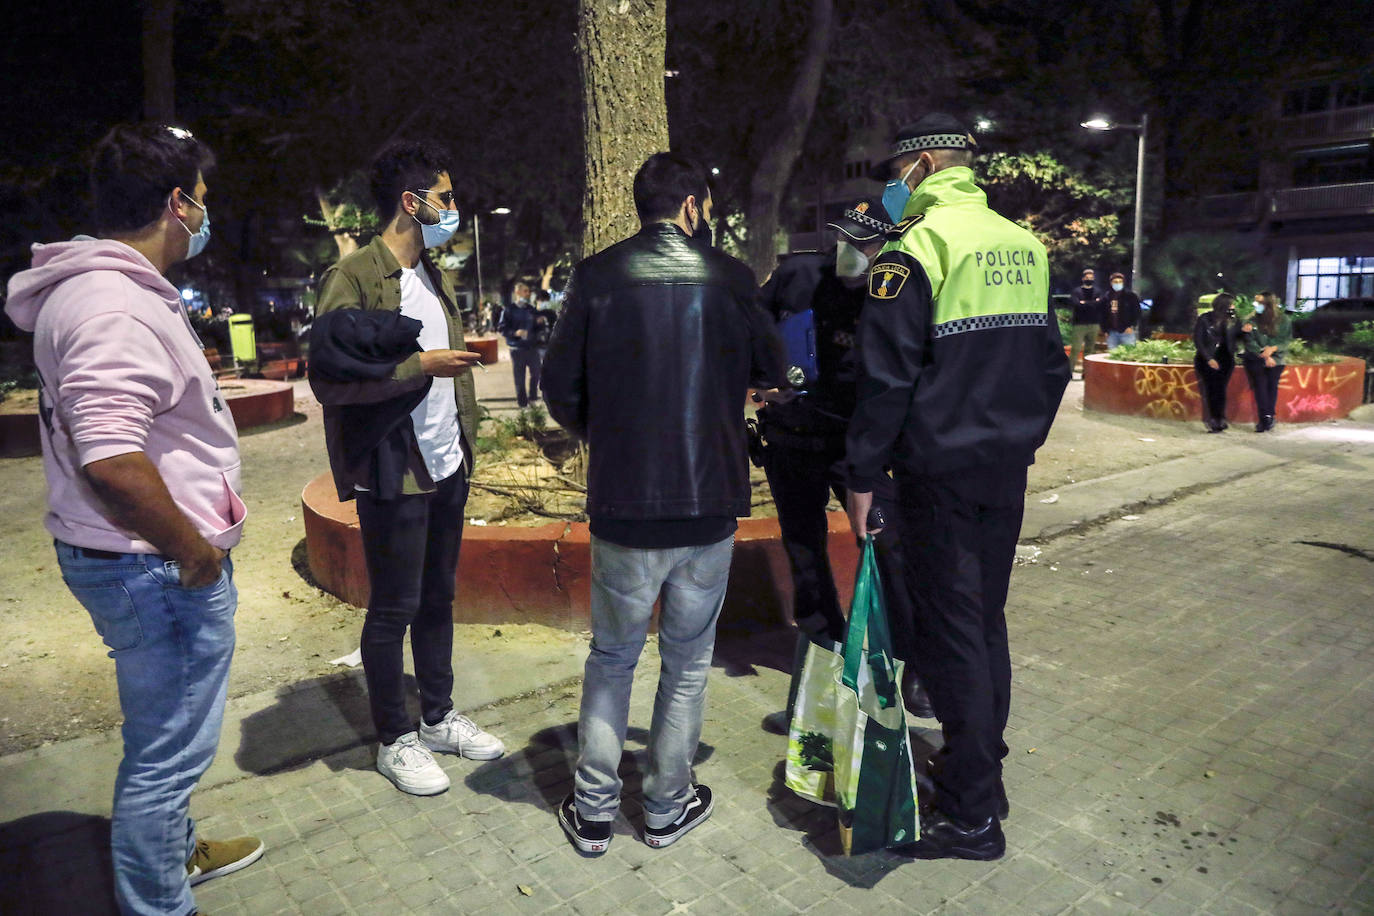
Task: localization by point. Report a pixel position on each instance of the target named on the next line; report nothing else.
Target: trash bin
(242, 341)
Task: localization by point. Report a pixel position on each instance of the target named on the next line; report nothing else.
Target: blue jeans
(625, 584)
(1120, 338)
(171, 647)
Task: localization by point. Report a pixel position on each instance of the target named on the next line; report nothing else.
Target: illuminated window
(1322, 279)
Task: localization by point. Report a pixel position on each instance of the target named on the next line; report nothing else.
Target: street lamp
(477, 246)
(1101, 123)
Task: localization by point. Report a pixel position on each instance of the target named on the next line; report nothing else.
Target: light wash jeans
(1120, 338)
(171, 647)
(625, 583)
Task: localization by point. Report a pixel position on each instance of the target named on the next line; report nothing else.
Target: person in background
(518, 326)
(1266, 340)
(1083, 339)
(1214, 336)
(1119, 312)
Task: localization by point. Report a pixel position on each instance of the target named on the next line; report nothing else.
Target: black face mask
(704, 232)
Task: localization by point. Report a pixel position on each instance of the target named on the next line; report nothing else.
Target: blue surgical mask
(1259, 308)
(198, 239)
(896, 194)
(436, 234)
(1118, 286)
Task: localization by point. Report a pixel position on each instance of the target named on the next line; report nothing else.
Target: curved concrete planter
(253, 402)
(1307, 393)
(543, 574)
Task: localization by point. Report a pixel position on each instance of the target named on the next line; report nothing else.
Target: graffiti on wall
(1169, 390)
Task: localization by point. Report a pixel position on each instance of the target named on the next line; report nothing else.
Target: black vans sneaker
(590, 837)
(697, 810)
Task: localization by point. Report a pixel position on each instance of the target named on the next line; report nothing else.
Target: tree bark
(779, 158)
(621, 49)
(346, 243)
(159, 78)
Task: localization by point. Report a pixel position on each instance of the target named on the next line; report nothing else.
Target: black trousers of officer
(959, 538)
(802, 480)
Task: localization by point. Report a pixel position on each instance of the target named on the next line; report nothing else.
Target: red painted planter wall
(1171, 392)
(543, 574)
(253, 402)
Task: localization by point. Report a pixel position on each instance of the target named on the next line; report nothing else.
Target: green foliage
(525, 424)
(1074, 216)
(1193, 263)
(1154, 351)
(817, 752)
(1303, 351)
(1359, 341)
(1065, 317)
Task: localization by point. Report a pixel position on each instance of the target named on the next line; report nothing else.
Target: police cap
(933, 131)
(863, 221)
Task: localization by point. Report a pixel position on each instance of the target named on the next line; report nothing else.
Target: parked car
(1329, 321)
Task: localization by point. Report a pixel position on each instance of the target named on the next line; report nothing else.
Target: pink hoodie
(122, 371)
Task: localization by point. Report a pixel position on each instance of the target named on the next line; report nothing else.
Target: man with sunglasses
(402, 445)
(142, 463)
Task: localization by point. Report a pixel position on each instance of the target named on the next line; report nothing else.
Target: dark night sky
(69, 70)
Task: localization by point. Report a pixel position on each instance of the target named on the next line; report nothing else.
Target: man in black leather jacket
(650, 363)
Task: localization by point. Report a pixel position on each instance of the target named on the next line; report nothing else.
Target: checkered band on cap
(931, 141)
(863, 219)
(989, 322)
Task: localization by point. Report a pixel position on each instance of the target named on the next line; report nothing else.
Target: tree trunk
(775, 166)
(621, 49)
(159, 79)
(347, 244)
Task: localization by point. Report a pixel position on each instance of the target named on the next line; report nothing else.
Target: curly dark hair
(405, 165)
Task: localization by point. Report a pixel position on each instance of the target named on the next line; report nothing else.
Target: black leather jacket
(650, 362)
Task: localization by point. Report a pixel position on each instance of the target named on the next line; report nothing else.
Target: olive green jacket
(370, 278)
(1256, 340)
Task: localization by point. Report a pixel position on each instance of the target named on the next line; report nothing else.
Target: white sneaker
(411, 766)
(457, 734)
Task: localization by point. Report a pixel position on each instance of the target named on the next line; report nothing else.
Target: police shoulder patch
(886, 279)
(897, 231)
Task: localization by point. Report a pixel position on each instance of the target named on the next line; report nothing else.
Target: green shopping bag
(810, 768)
(875, 782)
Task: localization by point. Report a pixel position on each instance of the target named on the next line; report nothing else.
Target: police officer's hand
(448, 363)
(1214, 364)
(858, 505)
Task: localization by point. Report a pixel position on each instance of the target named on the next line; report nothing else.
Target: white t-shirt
(436, 417)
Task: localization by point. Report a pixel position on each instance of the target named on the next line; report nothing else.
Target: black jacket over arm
(650, 362)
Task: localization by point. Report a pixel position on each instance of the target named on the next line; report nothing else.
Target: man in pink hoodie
(141, 458)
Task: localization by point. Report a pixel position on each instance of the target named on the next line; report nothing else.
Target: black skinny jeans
(1264, 384)
(411, 547)
(1214, 382)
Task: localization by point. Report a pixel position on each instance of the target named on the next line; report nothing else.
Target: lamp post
(1100, 123)
(477, 246)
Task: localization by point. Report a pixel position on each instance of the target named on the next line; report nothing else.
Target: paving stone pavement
(1192, 732)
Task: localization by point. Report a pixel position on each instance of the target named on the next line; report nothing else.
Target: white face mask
(1118, 286)
(849, 261)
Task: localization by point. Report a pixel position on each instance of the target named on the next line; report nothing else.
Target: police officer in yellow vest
(961, 370)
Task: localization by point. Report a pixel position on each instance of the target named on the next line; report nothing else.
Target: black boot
(916, 699)
(943, 837)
